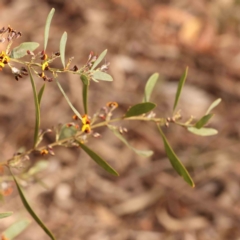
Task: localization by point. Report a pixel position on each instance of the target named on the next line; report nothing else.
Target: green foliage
(203, 121)
(63, 43)
(47, 27)
(30, 211)
(85, 82)
(15, 229)
(150, 86)
(203, 131)
(176, 163)
(99, 59)
(67, 132)
(21, 50)
(40, 93)
(5, 214)
(98, 159)
(38, 167)
(180, 86)
(139, 109)
(213, 105)
(143, 153)
(37, 99)
(102, 76)
(68, 101)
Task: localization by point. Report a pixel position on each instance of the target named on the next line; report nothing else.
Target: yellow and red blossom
(86, 128)
(4, 59)
(44, 57)
(45, 66)
(8, 191)
(75, 117)
(112, 104)
(44, 152)
(86, 124)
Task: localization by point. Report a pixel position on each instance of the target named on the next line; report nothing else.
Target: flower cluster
(8, 34)
(45, 66)
(11, 34)
(4, 59)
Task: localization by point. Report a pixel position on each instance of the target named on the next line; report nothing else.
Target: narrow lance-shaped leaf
(63, 42)
(150, 86)
(37, 167)
(40, 93)
(37, 108)
(29, 209)
(98, 159)
(203, 121)
(176, 163)
(102, 76)
(140, 109)
(180, 86)
(68, 101)
(203, 131)
(5, 214)
(213, 105)
(47, 27)
(99, 59)
(15, 229)
(143, 153)
(21, 50)
(85, 82)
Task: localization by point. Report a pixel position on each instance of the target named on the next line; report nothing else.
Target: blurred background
(149, 201)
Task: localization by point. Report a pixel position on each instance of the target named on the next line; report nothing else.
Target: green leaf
(143, 153)
(16, 228)
(5, 214)
(29, 209)
(47, 27)
(68, 101)
(38, 167)
(203, 121)
(99, 59)
(203, 131)
(176, 163)
(37, 108)
(98, 159)
(150, 86)
(102, 76)
(213, 105)
(85, 92)
(67, 132)
(140, 109)
(41, 93)
(63, 42)
(180, 86)
(21, 50)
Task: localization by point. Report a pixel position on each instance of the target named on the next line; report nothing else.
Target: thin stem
(65, 140)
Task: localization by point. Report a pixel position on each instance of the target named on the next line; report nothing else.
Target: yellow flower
(85, 119)
(44, 66)
(4, 59)
(112, 105)
(86, 124)
(44, 152)
(86, 128)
